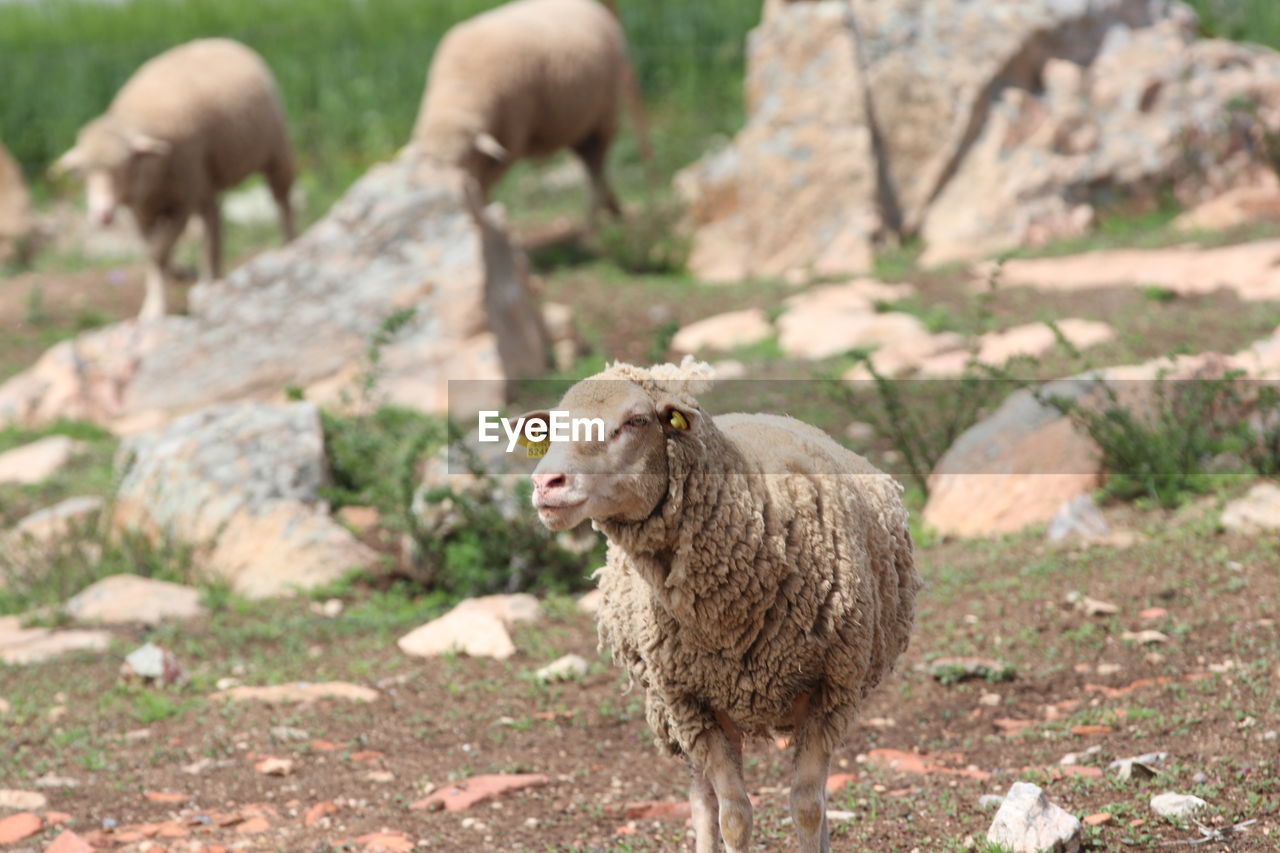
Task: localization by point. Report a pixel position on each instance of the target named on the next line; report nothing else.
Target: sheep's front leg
(211, 216)
(161, 236)
(702, 801)
(724, 769)
(809, 791)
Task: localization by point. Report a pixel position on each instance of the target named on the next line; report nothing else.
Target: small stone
(1151, 614)
(1200, 778)
(49, 780)
(1131, 768)
(1028, 823)
(380, 776)
(990, 801)
(173, 798)
(330, 609)
(1256, 512)
(19, 827)
(22, 801)
(39, 460)
(1173, 805)
(568, 668)
(477, 789)
(1109, 668)
(990, 700)
(1098, 819)
(129, 599)
(253, 826)
(137, 735)
(287, 733)
(152, 664)
(1147, 637)
(299, 693)
(590, 602)
(274, 766)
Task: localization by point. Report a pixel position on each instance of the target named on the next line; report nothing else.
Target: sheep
(760, 578)
(525, 80)
(190, 123)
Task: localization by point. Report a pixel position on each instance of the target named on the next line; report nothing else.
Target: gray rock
(1028, 823)
(405, 236)
(130, 599)
(1079, 518)
(241, 483)
(1257, 511)
(567, 668)
(1173, 805)
(152, 664)
(990, 801)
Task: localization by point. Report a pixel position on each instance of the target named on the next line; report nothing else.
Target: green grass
(351, 72)
(1240, 20)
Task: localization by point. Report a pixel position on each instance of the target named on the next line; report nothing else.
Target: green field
(351, 71)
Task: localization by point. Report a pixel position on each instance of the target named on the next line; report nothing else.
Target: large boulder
(16, 222)
(241, 484)
(979, 126)
(796, 191)
(406, 236)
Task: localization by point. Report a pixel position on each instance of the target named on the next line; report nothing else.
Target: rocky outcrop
(978, 126)
(407, 237)
(241, 485)
(16, 222)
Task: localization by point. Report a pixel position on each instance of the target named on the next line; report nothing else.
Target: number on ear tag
(537, 449)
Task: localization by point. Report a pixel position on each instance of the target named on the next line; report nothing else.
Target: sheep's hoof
(735, 827)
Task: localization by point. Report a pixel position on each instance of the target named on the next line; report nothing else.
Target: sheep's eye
(638, 421)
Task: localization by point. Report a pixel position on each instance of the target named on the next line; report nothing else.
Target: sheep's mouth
(550, 507)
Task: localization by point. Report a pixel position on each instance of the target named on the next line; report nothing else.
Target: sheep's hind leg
(809, 791)
(724, 769)
(593, 151)
(211, 216)
(702, 801)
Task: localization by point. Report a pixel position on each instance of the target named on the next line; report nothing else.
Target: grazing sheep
(525, 80)
(760, 579)
(15, 211)
(190, 123)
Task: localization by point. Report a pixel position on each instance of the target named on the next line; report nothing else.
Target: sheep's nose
(543, 483)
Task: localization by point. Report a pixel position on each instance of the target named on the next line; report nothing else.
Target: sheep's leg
(211, 216)
(702, 801)
(809, 791)
(724, 769)
(593, 151)
(161, 236)
(280, 179)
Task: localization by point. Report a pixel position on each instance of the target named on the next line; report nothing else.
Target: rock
(274, 766)
(796, 190)
(1150, 614)
(242, 483)
(49, 780)
(957, 669)
(477, 627)
(660, 810)
(834, 319)
(908, 355)
(1243, 205)
(1257, 511)
(68, 842)
(990, 801)
(590, 601)
(1092, 607)
(478, 789)
(1251, 270)
(1133, 768)
(19, 645)
(1044, 460)
(167, 798)
(1146, 638)
(299, 693)
(19, 827)
(1029, 340)
(1079, 518)
(318, 812)
(1098, 819)
(152, 664)
(405, 237)
(22, 801)
(1173, 805)
(130, 599)
(723, 332)
(288, 733)
(39, 460)
(567, 668)
(1028, 823)
(16, 221)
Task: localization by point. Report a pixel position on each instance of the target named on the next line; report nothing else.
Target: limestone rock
(796, 190)
(1244, 205)
(723, 332)
(19, 645)
(406, 236)
(1174, 805)
(1257, 511)
(478, 627)
(129, 599)
(1080, 518)
(16, 222)
(300, 693)
(55, 522)
(1027, 822)
(39, 460)
(565, 668)
(241, 483)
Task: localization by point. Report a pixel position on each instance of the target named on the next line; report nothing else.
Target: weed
(647, 241)
(150, 707)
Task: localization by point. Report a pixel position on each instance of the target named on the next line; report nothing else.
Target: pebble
(1170, 804)
(22, 801)
(990, 801)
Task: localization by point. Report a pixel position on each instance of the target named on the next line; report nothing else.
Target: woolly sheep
(525, 80)
(760, 578)
(191, 122)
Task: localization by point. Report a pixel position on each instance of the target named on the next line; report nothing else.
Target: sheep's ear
(676, 418)
(490, 147)
(534, 449)
(72, 161)
(143, 144)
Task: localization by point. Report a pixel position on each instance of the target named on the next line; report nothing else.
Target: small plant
(152, 707)
(646, 240)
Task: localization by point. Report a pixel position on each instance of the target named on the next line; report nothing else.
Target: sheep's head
(619, 472)
(115, 161)
(461, 140)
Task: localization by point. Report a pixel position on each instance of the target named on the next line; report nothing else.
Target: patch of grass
(648, 241)
(150, 706)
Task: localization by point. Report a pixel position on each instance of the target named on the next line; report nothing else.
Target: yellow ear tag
(537, 449)
(677, 420)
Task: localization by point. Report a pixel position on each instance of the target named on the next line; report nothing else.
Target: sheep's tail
(635, 103)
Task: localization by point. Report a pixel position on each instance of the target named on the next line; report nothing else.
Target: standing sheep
(190, 123)
(760, 579)
(525, 80)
